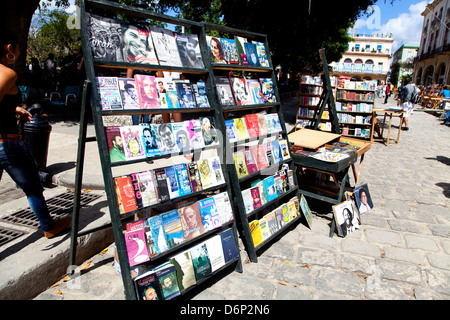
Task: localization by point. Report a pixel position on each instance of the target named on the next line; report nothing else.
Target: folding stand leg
(342, 184)
(79, 172)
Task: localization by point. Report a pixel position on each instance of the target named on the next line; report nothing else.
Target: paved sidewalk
(401, 251)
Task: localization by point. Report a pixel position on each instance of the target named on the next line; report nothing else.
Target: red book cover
(251, 120)
(250, 161)
(260, 156)
(125, 194)
(147, 92)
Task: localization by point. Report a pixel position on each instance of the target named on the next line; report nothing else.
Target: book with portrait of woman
(363, 198)
(215, 48)
(346, 218)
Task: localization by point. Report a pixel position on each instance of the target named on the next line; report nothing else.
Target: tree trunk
(16, 16)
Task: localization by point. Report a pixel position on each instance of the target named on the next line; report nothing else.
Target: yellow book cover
(239, 162)
(255, 232)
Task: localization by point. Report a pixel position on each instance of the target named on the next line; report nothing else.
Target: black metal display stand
(339, 171)
(91, 98)
(326, 99)
(234, 111)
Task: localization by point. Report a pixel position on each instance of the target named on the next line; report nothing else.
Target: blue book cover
(149, 140)
(184, 186)
(158, 234)
(172, 182)
(269, 186)
(231, 130)
(228, 245)
(252, 54)
(276, 152)
(172, 228)
(210, 216)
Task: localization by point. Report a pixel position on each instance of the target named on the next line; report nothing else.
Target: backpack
(415, 96)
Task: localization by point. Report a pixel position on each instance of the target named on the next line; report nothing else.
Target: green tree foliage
(49, 34)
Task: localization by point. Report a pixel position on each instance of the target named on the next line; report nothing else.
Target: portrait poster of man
(362, 198)
(137, 45)
(189, 49)
(147, 92)
(166, 140)
(346, 217)
(191, 221)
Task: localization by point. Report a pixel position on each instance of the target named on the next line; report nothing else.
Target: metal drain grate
(58, 206)
(7, 235)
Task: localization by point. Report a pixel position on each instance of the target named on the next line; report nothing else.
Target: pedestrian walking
(15, 157)
(408, 98)
(387, 91)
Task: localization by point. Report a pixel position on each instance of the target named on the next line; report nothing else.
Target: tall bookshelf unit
(247, 220)
(112, 9)
(355, 105)
(308, 98)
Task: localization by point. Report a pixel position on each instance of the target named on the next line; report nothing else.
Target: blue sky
(402, 18)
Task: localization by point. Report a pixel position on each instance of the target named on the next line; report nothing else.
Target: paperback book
(132, 142)
(158, 234)
(191, 221)
(166, 47)
(108, 90)
(224, 91)
(252, 54)
(167, 93)
(194, 130)
(210, 216)
(128, 94)
(201, 261)
(189, 50)
(147, 92)
(267, 89)
(184, 270)
(185, 94)
(172, 228)
(241, 91)
(136, 247)
(230, 52)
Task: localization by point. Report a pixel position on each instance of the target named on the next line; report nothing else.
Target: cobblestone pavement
(400, 252)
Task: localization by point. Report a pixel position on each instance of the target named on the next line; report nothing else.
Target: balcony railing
(357, 67)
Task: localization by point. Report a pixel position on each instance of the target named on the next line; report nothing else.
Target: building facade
(432, 64)
(403, 63)
(367, 57)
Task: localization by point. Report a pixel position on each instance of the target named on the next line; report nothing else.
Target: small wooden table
(387, 113)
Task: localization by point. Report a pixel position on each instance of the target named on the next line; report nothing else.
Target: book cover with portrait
(137, 44)
(147, 91)
(132, 142)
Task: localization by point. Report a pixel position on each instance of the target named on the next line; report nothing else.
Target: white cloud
(406, 28)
